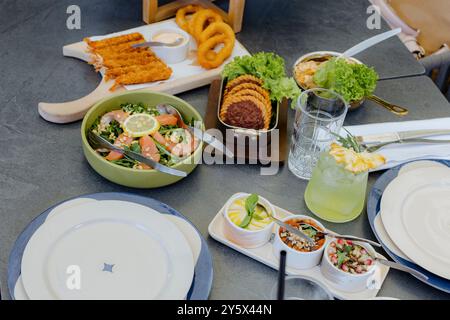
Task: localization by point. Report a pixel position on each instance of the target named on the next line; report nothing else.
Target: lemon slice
(141, 124)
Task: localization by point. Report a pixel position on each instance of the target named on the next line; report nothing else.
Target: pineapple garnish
(351, 154)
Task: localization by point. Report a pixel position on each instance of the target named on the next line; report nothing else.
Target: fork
(98, 141)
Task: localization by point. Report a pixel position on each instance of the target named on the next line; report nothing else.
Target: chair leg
(149, 10)
(236, 14)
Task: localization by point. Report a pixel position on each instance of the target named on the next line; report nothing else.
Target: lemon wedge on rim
(141, 124)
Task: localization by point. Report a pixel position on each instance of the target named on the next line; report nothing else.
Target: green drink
(335, 193)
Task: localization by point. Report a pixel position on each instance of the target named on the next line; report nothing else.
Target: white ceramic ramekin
(294, 258)
(347, 281)
(243, 237)
(172, 55)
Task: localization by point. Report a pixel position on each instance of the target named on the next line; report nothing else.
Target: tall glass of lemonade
(337, 189)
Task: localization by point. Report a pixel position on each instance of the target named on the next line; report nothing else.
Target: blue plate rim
(373, 205)
(203, 272)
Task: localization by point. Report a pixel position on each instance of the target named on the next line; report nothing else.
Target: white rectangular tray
(265, 255)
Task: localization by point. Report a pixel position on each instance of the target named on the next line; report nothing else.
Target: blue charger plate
(373, 208)
(203, 272)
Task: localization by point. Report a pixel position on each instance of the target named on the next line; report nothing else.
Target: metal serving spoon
(391, 264)
(199, 134)
(401, 267)
(158, 44)
(345, 237)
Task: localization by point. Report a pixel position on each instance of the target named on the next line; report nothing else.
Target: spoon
(206, 137)
(401, 267)
(177, 42)
(337, 236)
(288, 227)
(360, 47)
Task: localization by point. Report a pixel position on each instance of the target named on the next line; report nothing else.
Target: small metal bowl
(241, 133)
(326, 55)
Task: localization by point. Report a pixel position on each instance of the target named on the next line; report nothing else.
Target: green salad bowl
(130, 177)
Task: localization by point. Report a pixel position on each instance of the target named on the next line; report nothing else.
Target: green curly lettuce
(352, 81)
(270, 68)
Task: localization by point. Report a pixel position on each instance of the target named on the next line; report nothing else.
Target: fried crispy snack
(216, 28)
(201, 20)
(245, 112)
(129, 60)
(252, 93)
(157, 71)
(125, 64)
(246, 78)
(251, 86)
(114, 40)
(181, 18)
(123, 47)
(204, 49)
(118, 71)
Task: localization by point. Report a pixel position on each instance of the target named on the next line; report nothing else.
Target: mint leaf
(341, 257)
(250, 205)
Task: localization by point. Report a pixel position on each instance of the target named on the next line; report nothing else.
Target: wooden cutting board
(186, 75)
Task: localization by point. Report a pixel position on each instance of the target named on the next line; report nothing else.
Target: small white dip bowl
(345, 281)
(294, 258)
(243, 237)
(171, 55)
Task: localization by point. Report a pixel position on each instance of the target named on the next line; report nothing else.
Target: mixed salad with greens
(163, 138)
(353, 81)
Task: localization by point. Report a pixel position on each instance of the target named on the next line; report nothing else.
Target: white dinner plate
(378, 223)
(386, 239)
(185, 227)
(419, 165)
(401, 183)
(121, 249)
(417, 217)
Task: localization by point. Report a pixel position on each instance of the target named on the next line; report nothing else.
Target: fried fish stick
(123, 47)
(123, 54)
(119, 71)
(114, 40)
(143, 75)
(130, 61)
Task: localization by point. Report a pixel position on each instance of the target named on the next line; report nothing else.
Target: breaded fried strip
(121, 54)
(129, 61)
(143, 75)
(136, 36)
(123, 47)
(116, 72)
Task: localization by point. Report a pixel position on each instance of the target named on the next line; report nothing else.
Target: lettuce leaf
(352, 81)
(270, 68)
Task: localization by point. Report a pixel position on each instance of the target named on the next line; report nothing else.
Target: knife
(96, 139)
(400, 136)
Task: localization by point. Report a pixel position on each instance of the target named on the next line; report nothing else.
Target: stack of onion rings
(215, 38)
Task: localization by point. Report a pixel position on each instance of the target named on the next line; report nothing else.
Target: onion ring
(203, 51)
(216, 28)
(201, 19)
(181, 20)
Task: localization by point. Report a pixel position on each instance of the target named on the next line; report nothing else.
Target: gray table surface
(42, 163)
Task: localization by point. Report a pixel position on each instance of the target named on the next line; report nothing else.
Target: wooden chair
(153, 13)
